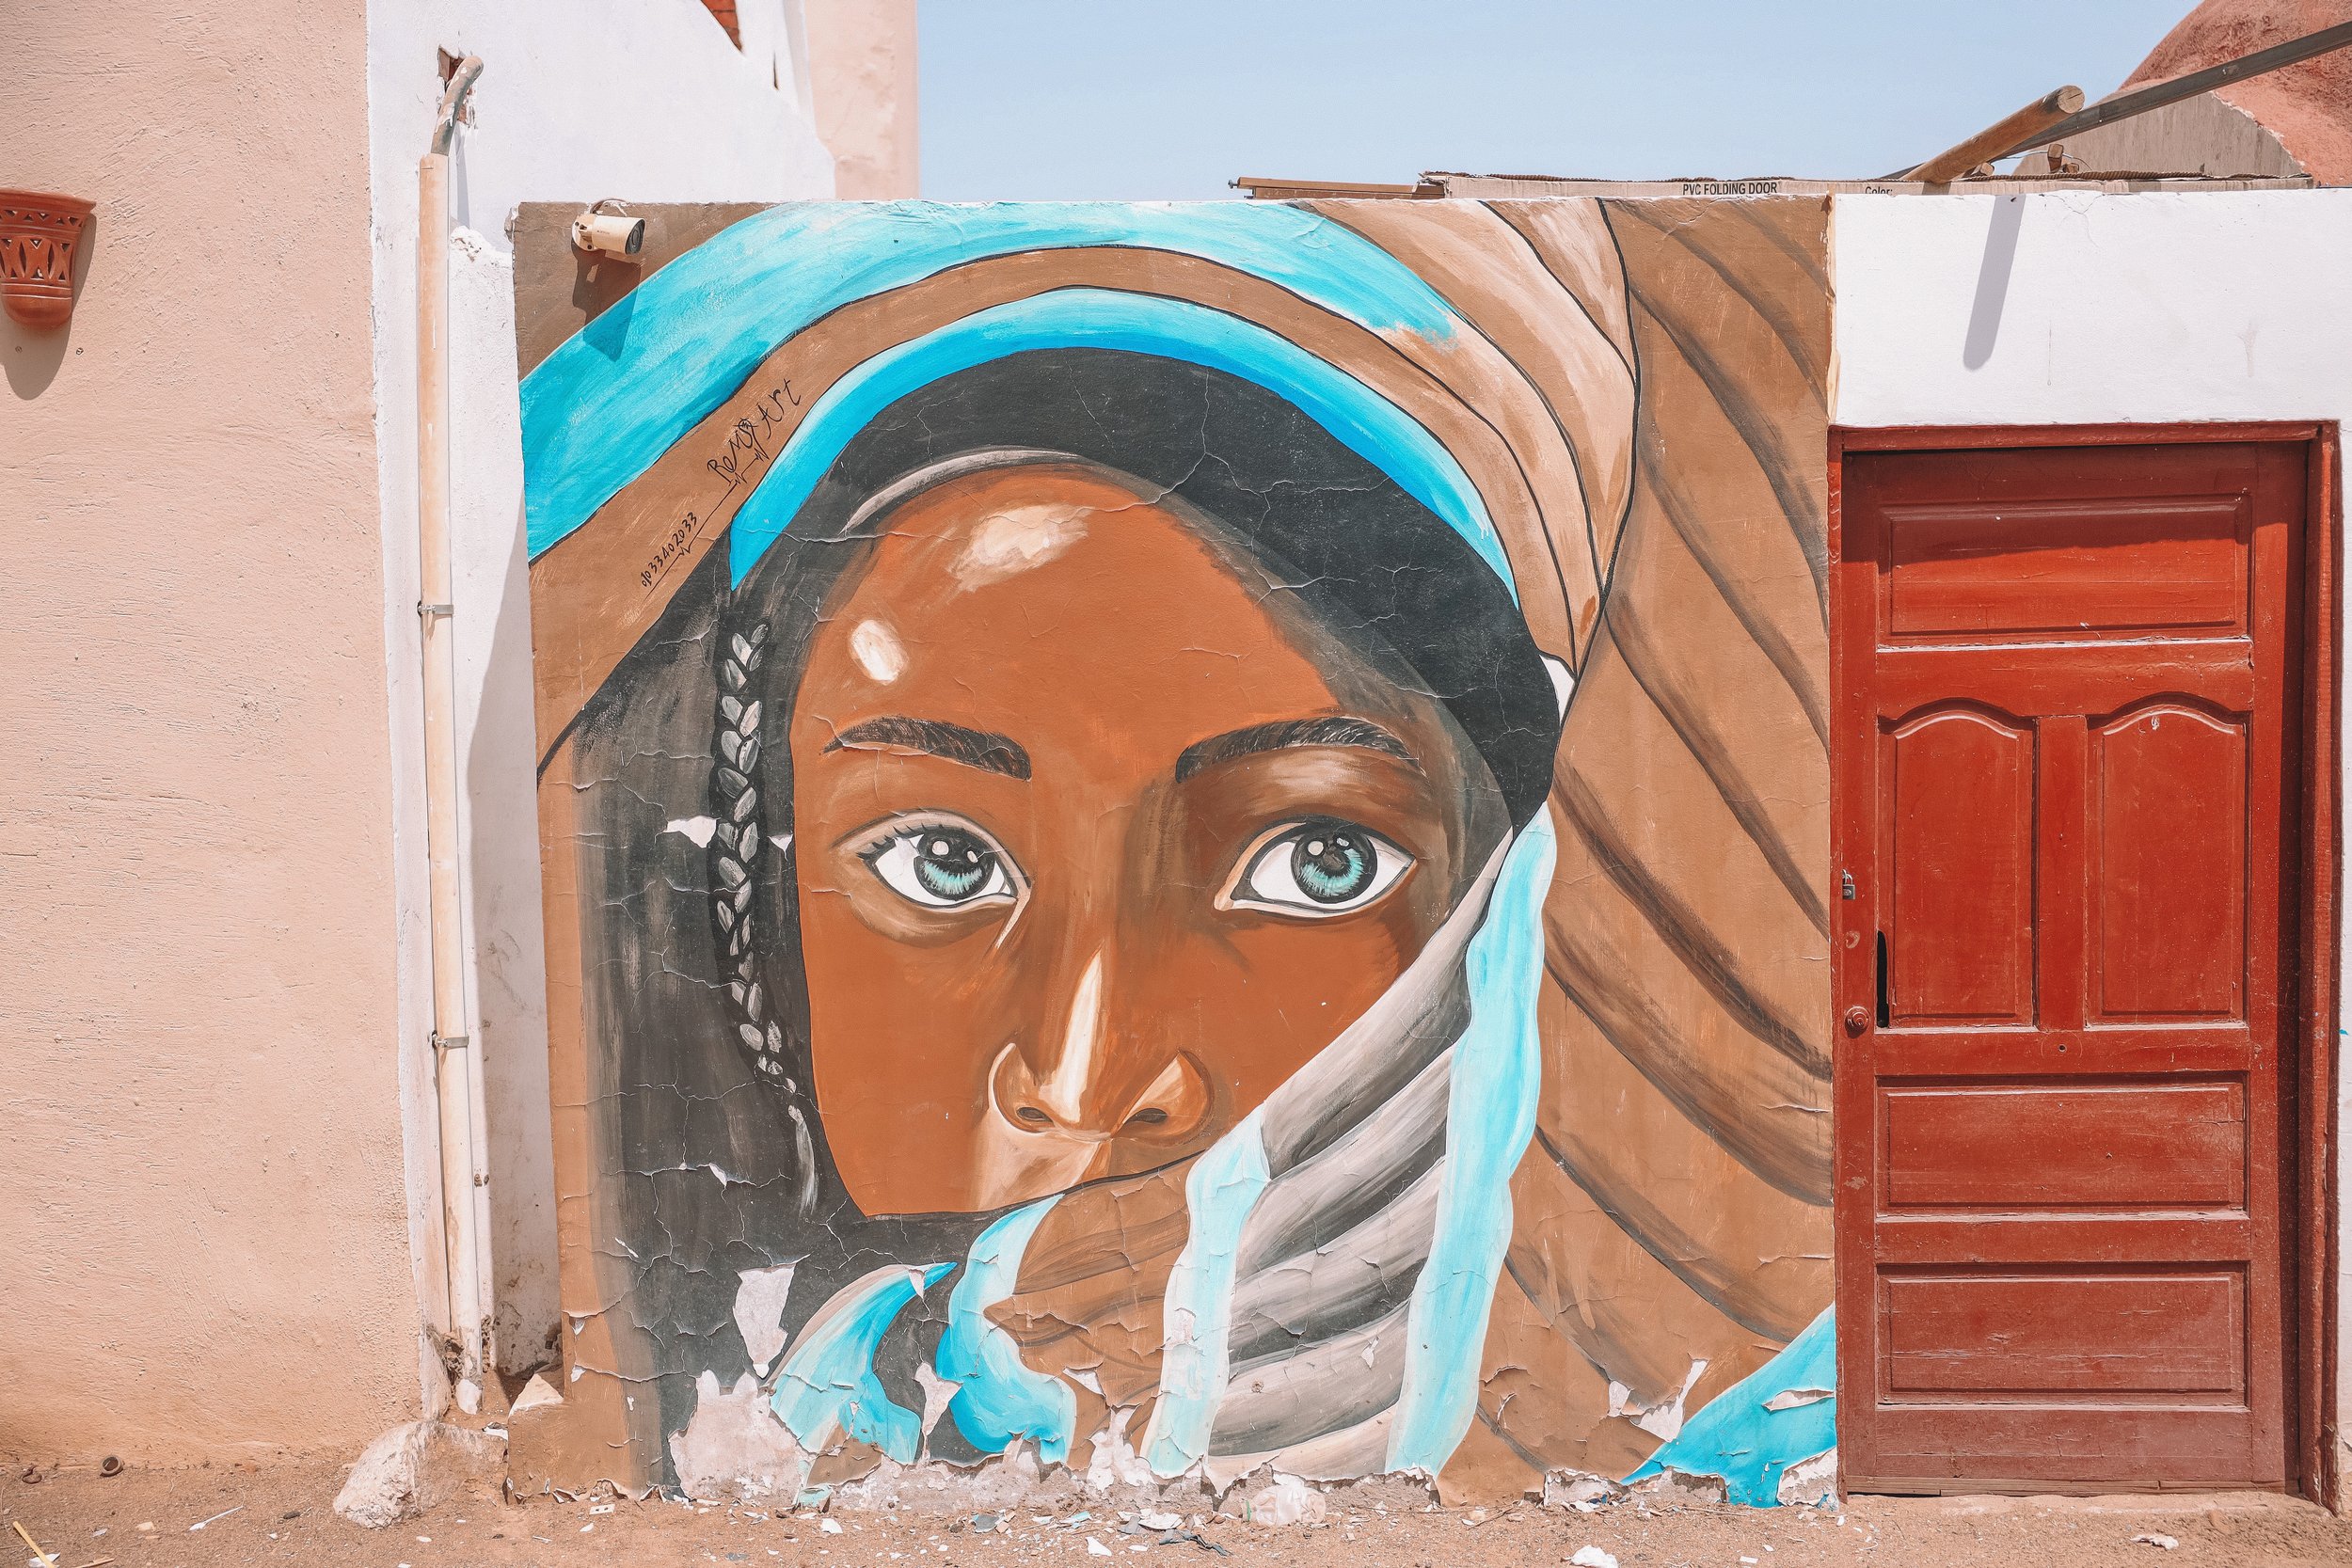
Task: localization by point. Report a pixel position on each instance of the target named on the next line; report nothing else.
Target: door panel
(2067, 568)
(2152, 1144)
(2063, 692)
(2168, 866)
(2052, 1339)
(1962, 854)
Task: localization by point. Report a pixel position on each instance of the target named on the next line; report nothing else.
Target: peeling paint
(1811, 1481)
(1662, 1419)
(735, 1446)
(759, 1313)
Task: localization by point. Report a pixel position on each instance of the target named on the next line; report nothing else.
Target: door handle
(1886, 998)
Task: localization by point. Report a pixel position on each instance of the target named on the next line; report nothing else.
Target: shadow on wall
(2001, 260)
(501, 808)
(510, 975)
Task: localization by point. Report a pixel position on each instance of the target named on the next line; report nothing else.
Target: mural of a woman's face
(1099, 835)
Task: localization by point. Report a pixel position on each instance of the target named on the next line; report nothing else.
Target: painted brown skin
(1137, 975)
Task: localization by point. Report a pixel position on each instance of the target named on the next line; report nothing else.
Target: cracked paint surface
(1188, 842)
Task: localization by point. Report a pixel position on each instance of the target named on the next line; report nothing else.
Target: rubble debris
(1580, 1490)
(413, 1467)
(1288, 1502)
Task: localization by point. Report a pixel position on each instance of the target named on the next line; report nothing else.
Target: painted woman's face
(1100, 837)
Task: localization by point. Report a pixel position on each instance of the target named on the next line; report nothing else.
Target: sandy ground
(206, 1517)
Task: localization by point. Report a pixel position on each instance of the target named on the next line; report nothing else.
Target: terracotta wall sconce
(39, 233)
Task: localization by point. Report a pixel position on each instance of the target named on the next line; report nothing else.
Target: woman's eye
(941, 867)
(1317, 868)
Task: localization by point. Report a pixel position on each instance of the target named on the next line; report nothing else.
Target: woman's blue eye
(940, 866)
(1319, 867)
(1333, 866)
(952, 864)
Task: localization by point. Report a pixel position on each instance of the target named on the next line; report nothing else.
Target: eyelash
(896, 857)
(1321, 846)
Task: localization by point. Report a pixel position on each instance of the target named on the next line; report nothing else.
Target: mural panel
(1187, 842)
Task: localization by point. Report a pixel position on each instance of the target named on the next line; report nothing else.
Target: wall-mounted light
(608, 233)
(39, 233)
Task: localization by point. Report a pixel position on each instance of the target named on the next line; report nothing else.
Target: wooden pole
(455, 1061)
(1987, 146)
(1995, 140)
(2156, 95)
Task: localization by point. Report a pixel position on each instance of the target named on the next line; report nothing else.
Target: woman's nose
(1086, 1076)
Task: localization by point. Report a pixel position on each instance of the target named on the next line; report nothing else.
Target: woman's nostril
(1032, 1115)
(1151, 1116)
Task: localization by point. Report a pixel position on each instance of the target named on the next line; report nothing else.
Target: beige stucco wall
(862, 66)
(208, 1246)
(211, 843)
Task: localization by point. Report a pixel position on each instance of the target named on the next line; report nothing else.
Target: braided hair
(739, 841)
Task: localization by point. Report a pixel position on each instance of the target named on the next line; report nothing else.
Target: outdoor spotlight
(608, 233)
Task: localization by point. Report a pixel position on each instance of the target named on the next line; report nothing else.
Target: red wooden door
(2064, 747)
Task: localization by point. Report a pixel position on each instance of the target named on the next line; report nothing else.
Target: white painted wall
(2080, 309)
(641, 100)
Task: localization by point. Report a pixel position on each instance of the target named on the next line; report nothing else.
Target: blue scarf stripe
(1363, 420)
(1490, 1116)
(613, 398)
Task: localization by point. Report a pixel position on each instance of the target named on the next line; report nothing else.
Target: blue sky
(1094, 99)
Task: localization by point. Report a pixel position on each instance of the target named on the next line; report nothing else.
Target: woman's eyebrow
(993, 753)
(1283, 734)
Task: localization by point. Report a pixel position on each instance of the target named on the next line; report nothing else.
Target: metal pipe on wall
(456, 1060)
